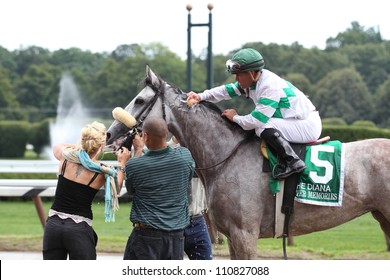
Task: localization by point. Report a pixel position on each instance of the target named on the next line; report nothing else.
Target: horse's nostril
(108, 135)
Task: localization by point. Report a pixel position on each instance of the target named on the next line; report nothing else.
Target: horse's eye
(139, 101)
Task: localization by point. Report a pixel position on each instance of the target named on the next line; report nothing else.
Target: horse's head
(150, 101)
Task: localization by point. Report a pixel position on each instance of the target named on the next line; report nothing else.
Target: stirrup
(277, 169)
(284, 176)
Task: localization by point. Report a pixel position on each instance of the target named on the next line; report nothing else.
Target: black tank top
(72, 197)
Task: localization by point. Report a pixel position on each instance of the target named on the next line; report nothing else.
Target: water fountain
(71, 115)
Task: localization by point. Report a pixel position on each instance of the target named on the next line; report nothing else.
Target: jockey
(282, 113)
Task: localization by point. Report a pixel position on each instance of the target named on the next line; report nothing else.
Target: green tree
(9, 106)
(166, 64)
(123, 52)
(118, 81)
(38, 89)
(356, 35)
(221, 76)
(76, 59)
(115, 84)
(372, 61)
(7, 60)
(316, 64)
(382, 105)
(343, 94)
(33, 55)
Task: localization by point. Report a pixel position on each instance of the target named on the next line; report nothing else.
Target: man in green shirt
(159, 182)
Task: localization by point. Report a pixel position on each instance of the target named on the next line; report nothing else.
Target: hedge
(14, 136)
(346, 133)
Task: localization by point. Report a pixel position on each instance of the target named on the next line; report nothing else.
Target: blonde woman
(68, 231)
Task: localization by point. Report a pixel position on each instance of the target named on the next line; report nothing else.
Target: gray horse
(229, 163)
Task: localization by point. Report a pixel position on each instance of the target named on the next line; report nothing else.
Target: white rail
(33, 166)
(35, 187)
(28, 187)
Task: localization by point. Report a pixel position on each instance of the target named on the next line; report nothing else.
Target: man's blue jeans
(197, 244)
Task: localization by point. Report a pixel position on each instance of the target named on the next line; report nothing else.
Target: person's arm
(217, 94)
(128, 180)
(138, 144)
(58, 148)
(123, 156)
(224, 92)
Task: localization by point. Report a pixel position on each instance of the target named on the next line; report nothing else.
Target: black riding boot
(292, 163)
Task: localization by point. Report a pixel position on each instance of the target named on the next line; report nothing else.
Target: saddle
(298, 148)
(285, 199)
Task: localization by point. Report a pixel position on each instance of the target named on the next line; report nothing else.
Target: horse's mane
(215, 109)
(212, 106)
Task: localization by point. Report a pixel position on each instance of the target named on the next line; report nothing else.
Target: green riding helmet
(245, 60)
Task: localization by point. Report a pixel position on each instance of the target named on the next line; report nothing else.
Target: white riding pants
(295, 130)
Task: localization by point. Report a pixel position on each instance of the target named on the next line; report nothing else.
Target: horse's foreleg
(242, 245)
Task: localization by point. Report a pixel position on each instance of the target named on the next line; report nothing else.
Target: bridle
(159, 92)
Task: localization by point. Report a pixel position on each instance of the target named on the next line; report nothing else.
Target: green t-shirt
(160, 181)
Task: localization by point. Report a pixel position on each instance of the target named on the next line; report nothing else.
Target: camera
(129, 138)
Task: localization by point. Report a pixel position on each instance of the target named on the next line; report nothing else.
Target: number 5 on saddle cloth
(290, 183)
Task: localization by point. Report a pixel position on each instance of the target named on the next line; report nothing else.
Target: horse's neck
(209, 140)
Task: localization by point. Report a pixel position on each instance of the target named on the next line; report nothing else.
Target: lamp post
(209, 48)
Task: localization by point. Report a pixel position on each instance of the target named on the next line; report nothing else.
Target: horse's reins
(222, 161)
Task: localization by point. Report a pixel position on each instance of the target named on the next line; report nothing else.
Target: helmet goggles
(234, 67)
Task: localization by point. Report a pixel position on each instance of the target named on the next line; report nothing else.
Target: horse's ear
(151, 75)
